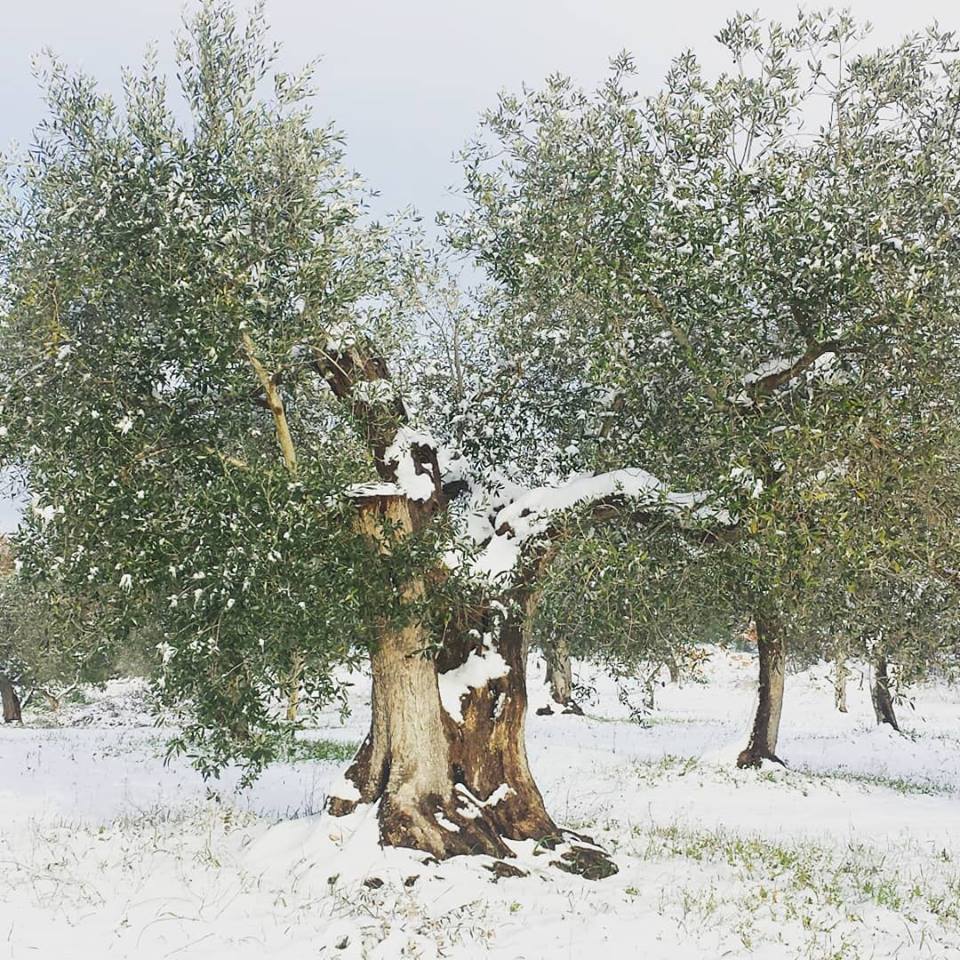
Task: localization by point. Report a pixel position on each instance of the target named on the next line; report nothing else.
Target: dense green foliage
(140, 256)
(749, 285)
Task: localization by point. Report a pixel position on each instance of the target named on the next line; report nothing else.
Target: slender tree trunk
(293, 691)
(880, 695)
(649, 691)
(560, 677)
(772, 651)
(10, 700)
(840, 674)
(674, 669)
(559, 671)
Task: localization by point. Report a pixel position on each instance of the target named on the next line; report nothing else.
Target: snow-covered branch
(530, 516)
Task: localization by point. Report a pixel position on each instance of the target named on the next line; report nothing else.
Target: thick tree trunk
(445, 757)
(10, 700)
(766, 726)
(880, 695)
(840, 674)
(489, 747)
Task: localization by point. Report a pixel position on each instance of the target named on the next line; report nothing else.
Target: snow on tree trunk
(10, 700)
(840, 674)
(881, 697)
(405, 763)
(486, 722)
(445, 757)
(766, 725)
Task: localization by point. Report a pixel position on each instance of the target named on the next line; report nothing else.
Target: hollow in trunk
(451, 774)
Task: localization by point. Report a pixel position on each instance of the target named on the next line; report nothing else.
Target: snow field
(854, 852)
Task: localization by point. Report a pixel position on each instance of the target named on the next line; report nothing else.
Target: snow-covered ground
(854, 852)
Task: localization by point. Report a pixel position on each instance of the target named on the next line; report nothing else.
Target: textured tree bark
(840, 674)
(766, 726)
(414, 760)
(450, 785)
(10, 700)
(445, 784)
(880, 695)
(559, 671)
(462, 784)
(489, 747)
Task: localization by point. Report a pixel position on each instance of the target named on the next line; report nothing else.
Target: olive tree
(211, 374)
(737, 283)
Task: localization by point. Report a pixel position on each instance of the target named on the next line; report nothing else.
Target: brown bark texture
(772, 664)
(445, 785)
(10, 700)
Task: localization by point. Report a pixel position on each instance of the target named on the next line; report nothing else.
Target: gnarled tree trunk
(880, 695)
(450, 775)
(10, 700)
(406, 761)
(772, 651)
(445, 757)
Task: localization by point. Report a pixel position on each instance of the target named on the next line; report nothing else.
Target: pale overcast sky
(404, 79)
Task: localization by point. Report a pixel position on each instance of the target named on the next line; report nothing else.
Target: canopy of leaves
(152, 270)
(747, 284)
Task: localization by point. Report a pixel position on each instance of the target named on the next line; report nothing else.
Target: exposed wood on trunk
(881, 696)
(10, 700)
(445, 787)
(406, 762)
(489, 747)
(772, 651)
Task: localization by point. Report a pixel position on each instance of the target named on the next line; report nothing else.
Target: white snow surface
(852, 852)
(416, 485)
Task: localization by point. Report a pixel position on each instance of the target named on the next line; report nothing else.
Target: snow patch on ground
(852, 852)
